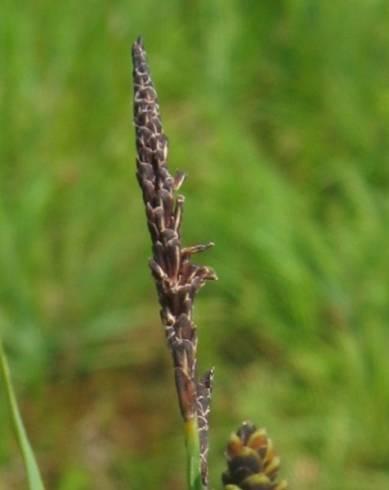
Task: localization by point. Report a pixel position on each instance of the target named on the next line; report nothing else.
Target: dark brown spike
(177, 280)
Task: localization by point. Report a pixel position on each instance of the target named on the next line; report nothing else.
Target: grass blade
(33, 474)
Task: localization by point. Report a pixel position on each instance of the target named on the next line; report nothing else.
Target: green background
(279, 113)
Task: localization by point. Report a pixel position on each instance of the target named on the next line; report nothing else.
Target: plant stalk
(193, 455)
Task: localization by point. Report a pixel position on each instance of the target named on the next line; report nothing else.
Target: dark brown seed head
(177, 279)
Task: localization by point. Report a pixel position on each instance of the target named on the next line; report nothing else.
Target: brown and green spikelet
(252, 463)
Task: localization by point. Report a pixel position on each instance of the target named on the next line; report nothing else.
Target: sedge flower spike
(252, 462)
(177, 279)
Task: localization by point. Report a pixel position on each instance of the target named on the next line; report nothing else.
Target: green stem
(193, 455)
(33, 474)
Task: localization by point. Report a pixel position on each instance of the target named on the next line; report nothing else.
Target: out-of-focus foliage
(279, 112)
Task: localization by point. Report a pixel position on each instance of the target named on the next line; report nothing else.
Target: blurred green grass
(279, 112)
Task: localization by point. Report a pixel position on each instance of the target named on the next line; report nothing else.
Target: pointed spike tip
(138, 47)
